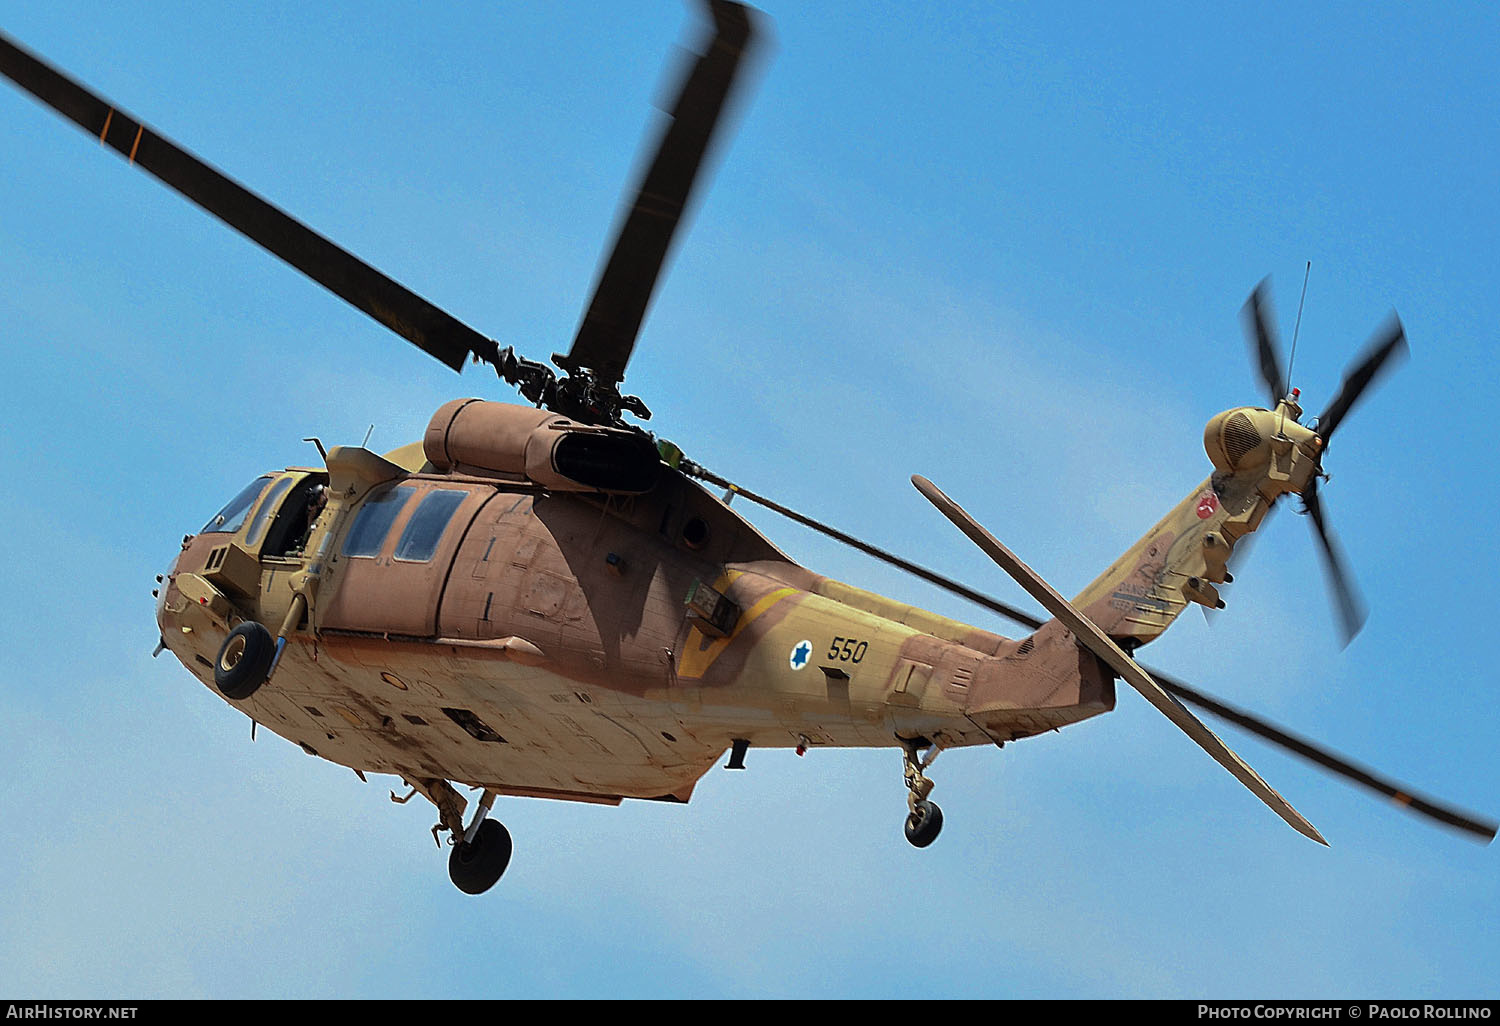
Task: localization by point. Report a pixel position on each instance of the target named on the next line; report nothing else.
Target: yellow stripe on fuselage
(701, 651)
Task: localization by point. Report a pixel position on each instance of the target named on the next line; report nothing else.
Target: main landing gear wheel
(244, 660)
(474, 866)
(923, 823)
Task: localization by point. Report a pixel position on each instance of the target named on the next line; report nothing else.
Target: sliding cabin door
(393, 561)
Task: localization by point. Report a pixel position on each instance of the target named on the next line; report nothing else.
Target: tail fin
(1184, 556)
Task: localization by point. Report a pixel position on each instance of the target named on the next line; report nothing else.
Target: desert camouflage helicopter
(542, 601)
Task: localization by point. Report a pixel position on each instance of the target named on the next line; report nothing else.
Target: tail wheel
(474, 866)
(244, 660)
(924, 823)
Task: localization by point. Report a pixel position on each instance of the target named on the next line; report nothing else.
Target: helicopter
(544, 601)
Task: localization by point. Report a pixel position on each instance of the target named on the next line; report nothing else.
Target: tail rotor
(1388, 344)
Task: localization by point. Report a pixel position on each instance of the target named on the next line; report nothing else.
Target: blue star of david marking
(800, 655)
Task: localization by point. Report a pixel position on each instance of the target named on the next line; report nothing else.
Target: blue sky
(1004, 246)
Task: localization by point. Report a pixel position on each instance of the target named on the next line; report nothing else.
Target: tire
(475, 867)
(244, 660)
(924, 824)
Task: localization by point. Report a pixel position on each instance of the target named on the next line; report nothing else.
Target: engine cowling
(521, 442)
(1239, 439)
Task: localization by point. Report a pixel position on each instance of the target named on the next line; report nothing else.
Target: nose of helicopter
(166, 592)
(192, 557)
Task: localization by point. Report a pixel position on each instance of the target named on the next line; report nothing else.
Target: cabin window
(373, 521)
(266, 512)
(425, 528)
(232, 517)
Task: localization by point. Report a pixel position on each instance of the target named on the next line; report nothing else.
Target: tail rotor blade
(1261, 325)
(1391, 342)
(1351, 608)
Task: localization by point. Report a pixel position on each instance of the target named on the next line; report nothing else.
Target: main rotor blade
(1331, 761)
(1262, 327)
(1351, 608)
(930, 576)
(1386, 344)
(1090, 636)
(607, 335)
(413, 318)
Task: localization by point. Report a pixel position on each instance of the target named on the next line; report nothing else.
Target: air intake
(1239, 438)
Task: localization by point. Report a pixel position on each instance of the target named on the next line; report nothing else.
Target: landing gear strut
(481, 851)
(925, 819)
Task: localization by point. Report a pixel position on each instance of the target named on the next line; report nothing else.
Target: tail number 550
(847, 650)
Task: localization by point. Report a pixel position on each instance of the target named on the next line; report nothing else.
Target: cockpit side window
(425, 528)
(232, 517)
(373, 521)
(267, 509)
